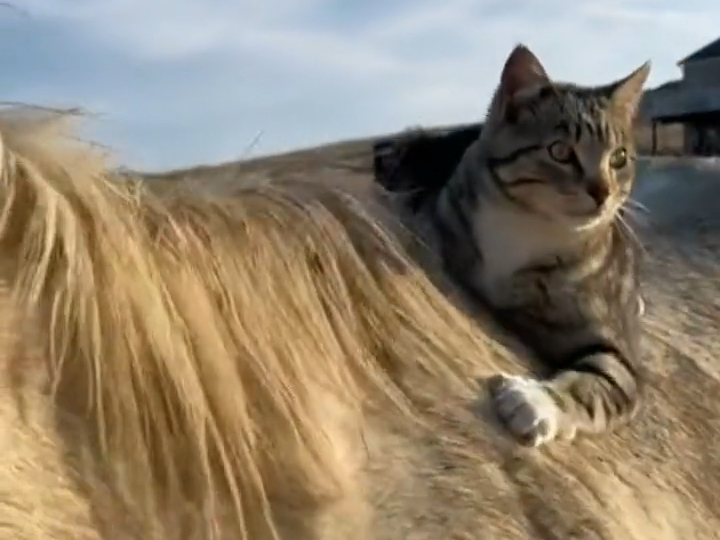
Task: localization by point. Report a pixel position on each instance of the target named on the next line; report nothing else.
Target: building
(693, 101)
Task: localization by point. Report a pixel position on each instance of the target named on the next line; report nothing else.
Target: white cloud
(306, 71)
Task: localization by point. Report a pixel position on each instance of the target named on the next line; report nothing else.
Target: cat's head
(564, 151)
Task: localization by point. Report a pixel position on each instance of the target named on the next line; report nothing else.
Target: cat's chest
(510, 242)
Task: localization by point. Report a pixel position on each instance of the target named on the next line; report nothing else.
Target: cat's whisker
(637, 205)
(635, 209)
(627, 211)
(622, 220)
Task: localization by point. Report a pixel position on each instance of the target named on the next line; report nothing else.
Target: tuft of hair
(220, 350)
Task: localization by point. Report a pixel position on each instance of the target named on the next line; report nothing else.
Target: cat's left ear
(625, 95)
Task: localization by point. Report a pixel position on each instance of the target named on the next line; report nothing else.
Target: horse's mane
(216, 348)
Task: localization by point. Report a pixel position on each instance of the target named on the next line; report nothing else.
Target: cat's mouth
(601, 214)
(595, 201)
(591, 210)
(579, 209)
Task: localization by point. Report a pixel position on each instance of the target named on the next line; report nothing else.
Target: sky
(175, 83)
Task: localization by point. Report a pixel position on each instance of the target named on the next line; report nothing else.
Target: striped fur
(532, 224)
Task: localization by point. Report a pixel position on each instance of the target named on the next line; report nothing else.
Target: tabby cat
(531, 223)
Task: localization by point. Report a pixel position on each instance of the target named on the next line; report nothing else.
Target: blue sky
(181, 82)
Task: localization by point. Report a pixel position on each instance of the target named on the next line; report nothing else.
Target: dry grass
(348, 155)
(356, 156)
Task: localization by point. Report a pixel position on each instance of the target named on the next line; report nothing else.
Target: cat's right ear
(522, 76)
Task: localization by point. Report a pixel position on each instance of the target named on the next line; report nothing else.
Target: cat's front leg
(597, 393)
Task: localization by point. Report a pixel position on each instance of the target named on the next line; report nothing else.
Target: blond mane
(218, 352)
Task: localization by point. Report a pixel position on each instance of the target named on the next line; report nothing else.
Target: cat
(532, 224)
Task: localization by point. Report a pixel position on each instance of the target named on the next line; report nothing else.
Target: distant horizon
(251, 153)
(181, 83)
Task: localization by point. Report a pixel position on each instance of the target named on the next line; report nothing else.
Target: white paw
(641, 306)
(526, 408)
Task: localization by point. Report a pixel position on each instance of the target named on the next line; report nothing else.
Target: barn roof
(711, 50)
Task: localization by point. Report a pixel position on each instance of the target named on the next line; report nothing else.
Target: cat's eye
(560, 151)
(618, 159)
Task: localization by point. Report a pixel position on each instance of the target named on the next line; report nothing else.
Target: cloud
(179, 82)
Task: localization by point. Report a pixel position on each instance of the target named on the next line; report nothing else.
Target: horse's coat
(261, 359)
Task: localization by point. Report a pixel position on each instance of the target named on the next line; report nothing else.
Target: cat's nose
(599, 191)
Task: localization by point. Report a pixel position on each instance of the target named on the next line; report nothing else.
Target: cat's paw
(526, 408)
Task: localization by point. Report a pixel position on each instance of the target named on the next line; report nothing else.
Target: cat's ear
(625, 94)
(522, 76)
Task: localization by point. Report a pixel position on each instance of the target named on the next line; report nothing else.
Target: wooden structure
(693, 101)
